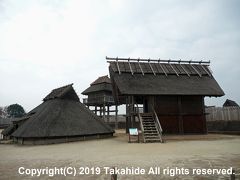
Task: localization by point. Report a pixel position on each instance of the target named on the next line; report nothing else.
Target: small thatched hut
(230, 103)
(60, 118)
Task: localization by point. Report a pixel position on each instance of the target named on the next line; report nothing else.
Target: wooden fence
(223, 113)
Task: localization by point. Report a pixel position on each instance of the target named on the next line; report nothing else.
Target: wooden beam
(196, 70)
(130, 67)
(173, 69)
(205, 70)
(118, 66)
(162, 68)
(140, 68)
(156, 60)
(184, 70)
(151, 68)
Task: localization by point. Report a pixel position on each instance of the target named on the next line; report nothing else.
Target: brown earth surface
(190, 151)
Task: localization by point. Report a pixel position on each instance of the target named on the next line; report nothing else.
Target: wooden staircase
(151, 128)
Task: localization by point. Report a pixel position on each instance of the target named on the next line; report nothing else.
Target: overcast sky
(46, 44)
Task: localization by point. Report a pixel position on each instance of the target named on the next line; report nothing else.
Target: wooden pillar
(108, 114)
(96, 110)
(127, 114)
(204, 117)
(100, 110)
(116, 117)
(180, 118)
(132, 111)
(104, 111)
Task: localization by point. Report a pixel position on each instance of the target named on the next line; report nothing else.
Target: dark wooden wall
(181, 114)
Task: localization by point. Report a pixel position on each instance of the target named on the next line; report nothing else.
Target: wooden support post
(96, 110)
(116, 117)
(104, 111)
(100, 110)
(108, 114)
(233, 177)
(127, 114)
(204, 117)
(114, 175)
(132, 112)
(180, 118)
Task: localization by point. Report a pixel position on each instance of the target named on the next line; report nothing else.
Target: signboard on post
(133, 132)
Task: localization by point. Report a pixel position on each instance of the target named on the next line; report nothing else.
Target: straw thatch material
(58, 119)
(65, 92)
(103, 83)
(102, 79)
(97, 88)
(229, 102)
(5, 122)
(160, 84)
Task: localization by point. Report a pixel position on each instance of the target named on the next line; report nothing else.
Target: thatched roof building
(175, 90)
(99, 96)
(102, 83)
(99, 92)
(229, 102)
(60, 118)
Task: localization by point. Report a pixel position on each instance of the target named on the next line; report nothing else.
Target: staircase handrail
(141, 125)
(159, 127)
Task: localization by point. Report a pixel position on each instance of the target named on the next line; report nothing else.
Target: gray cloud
(46, 44)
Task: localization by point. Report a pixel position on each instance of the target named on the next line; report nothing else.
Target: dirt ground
(188, 152)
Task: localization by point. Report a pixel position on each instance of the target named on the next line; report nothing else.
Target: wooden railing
(141, 126)
(140, 121)
(98, 99)
(159, 127)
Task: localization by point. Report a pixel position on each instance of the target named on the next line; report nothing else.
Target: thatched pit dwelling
(60, 118)
(172, 90)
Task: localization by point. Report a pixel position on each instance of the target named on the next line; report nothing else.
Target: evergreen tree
(15, 111)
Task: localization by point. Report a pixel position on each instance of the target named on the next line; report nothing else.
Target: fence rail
(223, 113)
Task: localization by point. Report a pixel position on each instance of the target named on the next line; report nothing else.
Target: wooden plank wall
(181, 114)
(223, 113)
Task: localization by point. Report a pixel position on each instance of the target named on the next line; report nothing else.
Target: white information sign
(133, 131)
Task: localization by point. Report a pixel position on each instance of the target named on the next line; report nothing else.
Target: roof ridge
(101, 79)
(58, 92)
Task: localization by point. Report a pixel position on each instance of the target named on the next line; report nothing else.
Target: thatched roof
(11, 126)
(5, 122)
(102, 83)
(102, 79)
(8, 130)
(57, 117)
(145, 78)
(229, 102)
(65, 92)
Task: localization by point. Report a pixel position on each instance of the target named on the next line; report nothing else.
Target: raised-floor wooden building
(172, 91)
(99, 95)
